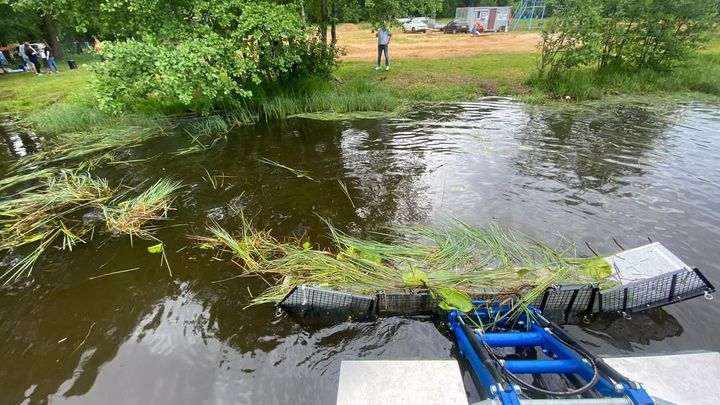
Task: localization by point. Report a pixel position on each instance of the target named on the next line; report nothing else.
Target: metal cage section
(562, 304)
(655, 292)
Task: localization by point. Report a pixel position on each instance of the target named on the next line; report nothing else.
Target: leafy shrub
(624, 34)
(211, 62)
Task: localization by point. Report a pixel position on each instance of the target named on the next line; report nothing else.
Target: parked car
(417, 24)
(403, 20)
(456, 27)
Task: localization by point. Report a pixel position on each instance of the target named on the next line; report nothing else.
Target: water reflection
(587, 173)
(16, 143)
(589, 149)
(638, 331)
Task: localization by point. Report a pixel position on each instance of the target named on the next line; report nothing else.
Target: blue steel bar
(541, 366)
(512, 339)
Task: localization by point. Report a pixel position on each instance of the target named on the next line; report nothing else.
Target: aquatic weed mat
(451, 263)
(72, 206)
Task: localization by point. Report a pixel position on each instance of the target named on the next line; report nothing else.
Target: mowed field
(361, 44)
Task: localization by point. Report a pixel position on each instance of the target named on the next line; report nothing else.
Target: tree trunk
(333, 24)
(323, 21)
(52, 36)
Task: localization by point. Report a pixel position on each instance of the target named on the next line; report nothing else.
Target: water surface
(586, 173)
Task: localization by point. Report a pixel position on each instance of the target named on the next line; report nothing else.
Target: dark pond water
(586, 173)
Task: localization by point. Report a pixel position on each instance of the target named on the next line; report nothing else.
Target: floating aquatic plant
(451, 262)
(344, 188)
(216, 181)
(296, 172)
(130, 216)
(51, 213)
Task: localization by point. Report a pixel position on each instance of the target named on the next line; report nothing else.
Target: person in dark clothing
(32, 54)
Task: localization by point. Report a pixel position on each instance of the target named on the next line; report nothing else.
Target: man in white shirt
(383, 35)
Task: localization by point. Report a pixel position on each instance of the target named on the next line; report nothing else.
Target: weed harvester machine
(525, 357)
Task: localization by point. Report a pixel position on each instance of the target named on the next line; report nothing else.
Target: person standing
(32, 55)
(50, 59)
(98, 47)
(29, 66)
(383, 35)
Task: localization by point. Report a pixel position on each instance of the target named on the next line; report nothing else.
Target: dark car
(456, 27)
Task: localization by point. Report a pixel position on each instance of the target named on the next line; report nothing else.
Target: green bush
(213, 62)
(624, 34)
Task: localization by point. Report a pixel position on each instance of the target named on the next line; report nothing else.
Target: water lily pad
(415, 279)
(155, 248)
(454, 299)
(597, 268)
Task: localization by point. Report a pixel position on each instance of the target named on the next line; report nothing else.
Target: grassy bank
(453, 79)
(62, 103)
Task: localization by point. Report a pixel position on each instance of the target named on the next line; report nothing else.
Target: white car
(417, 24)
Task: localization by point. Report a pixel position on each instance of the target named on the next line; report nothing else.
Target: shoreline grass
(62, 103)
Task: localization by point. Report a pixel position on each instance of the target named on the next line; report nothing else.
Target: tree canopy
(625, 34)
(206, 54)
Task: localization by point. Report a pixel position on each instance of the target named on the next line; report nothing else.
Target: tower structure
(528, 14)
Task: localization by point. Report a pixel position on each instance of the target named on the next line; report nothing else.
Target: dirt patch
(362, 45)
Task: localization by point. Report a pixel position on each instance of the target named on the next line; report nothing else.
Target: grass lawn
(452, 79)
(22, 93)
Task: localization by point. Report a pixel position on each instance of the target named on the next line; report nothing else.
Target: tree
(18, 26)
(72, 13)
(207, 54)
(624, 34)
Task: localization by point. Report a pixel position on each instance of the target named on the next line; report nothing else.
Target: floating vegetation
(452, 262)
(296, 172)
(52, 213)
(344, 188)
(41, 214)
(130, 216)
(207, 131)
(334, 116)
(216, 181)
(114, 273)
(12, 181)
(82, 145)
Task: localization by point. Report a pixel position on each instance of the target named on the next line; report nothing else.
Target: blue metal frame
(564, 360)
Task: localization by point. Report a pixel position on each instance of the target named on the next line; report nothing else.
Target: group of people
(33, 55)
(36, 57)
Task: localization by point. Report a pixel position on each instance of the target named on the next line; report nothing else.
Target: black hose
(484, 356)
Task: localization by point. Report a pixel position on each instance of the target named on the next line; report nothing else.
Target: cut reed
(130, 216)
(296, 172)
(52, 213)
(452, 263)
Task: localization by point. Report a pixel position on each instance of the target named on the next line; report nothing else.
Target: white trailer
(493, 19)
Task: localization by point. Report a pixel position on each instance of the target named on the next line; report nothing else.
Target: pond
(585, 173)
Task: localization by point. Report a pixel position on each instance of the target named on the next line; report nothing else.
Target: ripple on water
(588, 173)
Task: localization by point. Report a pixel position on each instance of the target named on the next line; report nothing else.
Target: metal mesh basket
(406, 303)
(655, 292)
(314, 303)
(567, 303)
(562, 304)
